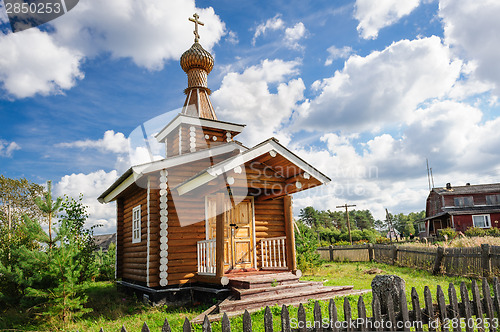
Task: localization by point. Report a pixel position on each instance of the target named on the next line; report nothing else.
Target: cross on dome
(196, 22)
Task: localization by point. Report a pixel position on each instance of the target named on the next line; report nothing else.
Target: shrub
(449, 232)
(382, 240)
(493, 232)
(342, 243)
(475, 231)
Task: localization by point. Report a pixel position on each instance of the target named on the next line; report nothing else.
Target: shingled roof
(468, 189)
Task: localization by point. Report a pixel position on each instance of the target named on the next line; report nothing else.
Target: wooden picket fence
(480, 261)
(471, 314)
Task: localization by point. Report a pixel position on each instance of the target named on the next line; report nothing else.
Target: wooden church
(212, 208)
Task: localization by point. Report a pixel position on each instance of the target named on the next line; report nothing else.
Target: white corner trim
(180, 140)
(163, 270)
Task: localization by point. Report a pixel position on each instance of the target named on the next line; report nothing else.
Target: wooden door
(239, 248)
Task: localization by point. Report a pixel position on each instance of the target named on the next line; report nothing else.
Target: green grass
(112, 309)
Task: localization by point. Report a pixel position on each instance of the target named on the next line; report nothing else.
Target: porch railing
(273, 252)
(206, 257)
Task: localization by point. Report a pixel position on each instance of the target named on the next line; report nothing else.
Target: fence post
(439, 259)
(331, 253)
(394, 254)
(485, 260)
(370, 252)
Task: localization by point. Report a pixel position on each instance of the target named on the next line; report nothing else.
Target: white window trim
(136, 227)
(421, 227)
(488, 220)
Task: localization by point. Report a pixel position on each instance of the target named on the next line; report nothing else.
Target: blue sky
(365, 90)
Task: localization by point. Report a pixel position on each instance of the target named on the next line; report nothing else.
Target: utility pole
(347, 214)
(389, 219)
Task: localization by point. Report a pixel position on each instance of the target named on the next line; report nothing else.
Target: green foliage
(406, 224)
(342, 243)
(49, 208)
(19, 194)
(106, 263)
(382, 240)
(449, 232)
(475, 231)
(306, 243)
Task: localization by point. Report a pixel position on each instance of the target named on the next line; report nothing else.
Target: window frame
(487, 219)
(136, 224)
(421, 227)
(462, 199)
(496, 199)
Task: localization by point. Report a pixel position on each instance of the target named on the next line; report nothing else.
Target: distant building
(393, 235)
(460, 208)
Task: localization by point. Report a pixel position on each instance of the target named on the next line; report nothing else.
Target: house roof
(196, 121)
(470, 189)
(267, 146)
(453, 211)
(134, 173)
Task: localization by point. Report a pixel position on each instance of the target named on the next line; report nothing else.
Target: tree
(48, 207)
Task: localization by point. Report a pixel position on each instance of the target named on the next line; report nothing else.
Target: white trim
(163, 269)
(452, 222)
(136, 227)
(148, 223)
(190, 120)
(142, 169)
(214, 171)
(121, 187)
(206, 218)
(488, 219)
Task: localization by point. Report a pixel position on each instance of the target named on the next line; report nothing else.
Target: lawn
(112, 309)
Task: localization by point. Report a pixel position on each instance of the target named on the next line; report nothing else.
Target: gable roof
(134, 173)
(196, 121)
(470, 189)
(271, 144)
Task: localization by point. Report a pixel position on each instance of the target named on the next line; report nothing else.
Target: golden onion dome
(197, 57)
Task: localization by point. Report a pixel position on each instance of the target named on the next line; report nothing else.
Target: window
(464, 201)
(136, 224)
(493, 199)
(482, 221)
(421, 227)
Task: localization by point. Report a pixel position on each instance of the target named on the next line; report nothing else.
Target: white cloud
(294, 34)
(335, 53)
(149, 32)
(32, 62)
(92, 185)
(111, 142)
(7, 148)
(383, 88)
(471, 27)
(274, 23)
(246, 98)
(375, 15)
(232, 38)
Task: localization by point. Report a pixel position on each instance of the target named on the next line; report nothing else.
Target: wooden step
(288, 298)
(263, 281)
(257, 292)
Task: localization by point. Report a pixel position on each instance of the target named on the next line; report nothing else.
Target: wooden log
(318, 322)
(166, 326)
(488, 305)
(437, 262)
(247, 322)
(206, 325)
(226, 325)
(485, 259)
(290, 233)
(464, 294)
(362, 315)
(285, 319)
(391, 312)
(332, 314)
(442, 309)
(301, 318)
(187, 326)
(477, 305)
(347, 314)
(454, 310)
(415, 301)
(377, 314)
(268, 320)
(429, 309)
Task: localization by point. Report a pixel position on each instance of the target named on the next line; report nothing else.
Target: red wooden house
(212, 205)
(461, 207)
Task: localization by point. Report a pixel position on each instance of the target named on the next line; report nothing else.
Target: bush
(475, 231)
(495, 232)
(306, 243)
(449, 232)
(342, 243)
(382, 240)
(106, 263)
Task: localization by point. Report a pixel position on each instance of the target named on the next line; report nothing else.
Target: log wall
(269, 222)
